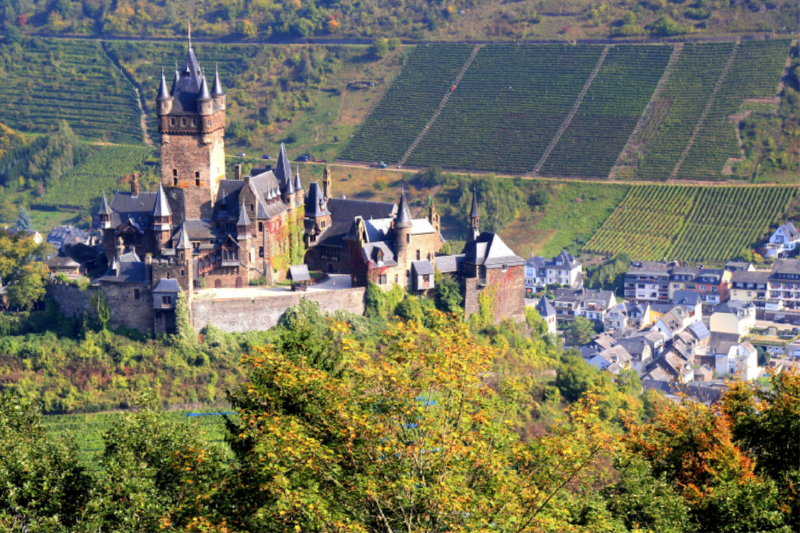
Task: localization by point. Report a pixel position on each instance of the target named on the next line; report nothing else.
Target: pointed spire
(217, 90)
(298, 185)
(162, 206)
(290, 183)
(105, 209)
(404, 213)
(175, 80)
(183, 240)
(162, 90)
(474, 213)
(189, 28)
(204, 94)
(283, 171)
(244, 220)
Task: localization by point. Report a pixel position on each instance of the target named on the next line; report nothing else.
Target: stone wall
(121, 298)
(509, 293)
(72, 301)
(249, 314)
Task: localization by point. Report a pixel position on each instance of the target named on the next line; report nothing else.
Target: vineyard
(715, 224)
(609, 112)
(507, 108)
(46, 81)
(409, 104)
(90, 428)
(102, 171)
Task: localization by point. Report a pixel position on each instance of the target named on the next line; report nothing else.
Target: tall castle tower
(191, 121)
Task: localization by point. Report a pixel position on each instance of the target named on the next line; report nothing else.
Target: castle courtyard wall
(509, 293)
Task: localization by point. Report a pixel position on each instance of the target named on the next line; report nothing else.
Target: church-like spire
(403, 219)
(105, 209)
(244, 220)
(283, 170)
(161, 208)
(290, 184)
(204, 94)
(176, 80)
(474, 213)
(474, 217)
(217, 90)
(183, 240)
(162, 90)
(298, 185)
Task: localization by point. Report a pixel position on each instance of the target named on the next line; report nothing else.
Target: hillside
(416, 20)
(650, 112)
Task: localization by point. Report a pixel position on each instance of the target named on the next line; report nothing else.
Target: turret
(204, 101)
(289, 195)
(283, 170)
(104, 215)
(327, 184)
(162, 218)
(433, 216)
(184, 246)
(474, 216)
(317, 216)
(164, 98)
(298, 189)
(243, 226)
(402, 233)
(216, 92)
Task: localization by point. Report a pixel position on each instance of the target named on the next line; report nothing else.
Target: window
(397, 278)
(252, 207)
(183, 122)
(169, 275)
(171, 121)
(183, 272)
(408, 273)
(166, 300)
(260, 226)
(197, 182)
(322, 224)
(408, 238)
(208, 122)
(382, 279)
(260, 251)
(135, 294)
(175, 182)
(426, 278)
(174, 171)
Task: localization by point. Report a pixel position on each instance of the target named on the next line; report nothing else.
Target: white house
(548, 314)
(595, 304)
(614, 359)
(733, 316)
(785, 239)
(740, 359)
(676, 320)
(563, 270)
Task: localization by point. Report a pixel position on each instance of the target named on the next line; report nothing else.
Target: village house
(736, 358)
(750, 286)
(562, 270)
(733, 317)
(548, 314)
(783, 242)
(648, 281)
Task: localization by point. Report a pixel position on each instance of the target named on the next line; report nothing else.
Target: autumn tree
(20, 270)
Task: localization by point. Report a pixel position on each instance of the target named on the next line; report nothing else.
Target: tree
(411, 439)
(575, 376)
(629, 18)
(43, 483)
(448, 293)
(28, 287)
(184, 331)
(13, 34)
(410, 309)
(380, 47)
(579, 332)
(24, 221)
(19, 270)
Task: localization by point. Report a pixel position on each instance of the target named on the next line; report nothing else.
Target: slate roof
(299, 273)
(403, 219)
(163, 93)
(422, 267)
(167, 285)
(130, 257)
(370, 254)
(703, 370)
(161, 204)
(187, 87)
(634, 346)
(61, 262)
(376, 216)
(733, 307)
(283, 169)
(184, 242)
(536, 262)
(737, 266)
(244, 220)
(699, 330)
(721, 343)
(61, 235)
(217, 90)
(567, 260)
(138, 209)
(315, 203)
(786, 266)
(490, 251)
(756, 276)
(545, 308)
(105, 209)
(790, 231)
(129, 272)
(449, 263)
(685, 297)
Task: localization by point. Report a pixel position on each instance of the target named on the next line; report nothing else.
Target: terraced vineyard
(507, 108)
(609, 112)
(90, 428)
(46, 81)
(657, 222)
(755, 73)
(100, 172)
(409, 103)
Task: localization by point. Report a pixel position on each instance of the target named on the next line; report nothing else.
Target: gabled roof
(685, 297)
(753, 276)
(567, 260)
(129, 272)
(129, 257)
(403, 219)
(161, 208)
(244, 220)
(545, 308)
(184, 243)
(139, 209)
(449, 263)
(58, 261)
(536, 261)
(490, 251)
(786, 266)
(167, 285)
(299, 273)
(699, 330)
(790, 231)
(373, 250)
(422, 268)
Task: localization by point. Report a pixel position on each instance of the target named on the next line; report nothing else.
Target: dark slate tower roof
(403, 213)
(290, 184)
(298, 185)
(188, 86)
(175, 80)
(183, 240)
(105, 209)
(204, 94)
(162, 90)
(283, 171)
(244, 220)
(162, 206)
(315, 203)
(217, 90)
(474, 213)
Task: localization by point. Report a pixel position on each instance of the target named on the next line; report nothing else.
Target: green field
(715, 224)
(102, 171)
(46, 81)
(90, 428)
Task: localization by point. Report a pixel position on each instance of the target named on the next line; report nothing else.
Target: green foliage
(486, 311)
(609, 276)
(24, 220)
(410, 309)
(499, 202)
(579, 332)
(666, 27)
(448, 293)
(575, 376)
(185, 333)
(374, 301)
(380, 47)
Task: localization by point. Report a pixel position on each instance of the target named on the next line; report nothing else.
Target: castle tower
(300, 195)
(162, 219)
(402, 235)
(104, 216)
(283, 170)
(191, 121)
(474, 216)
(317, 217)
(327, 184)
(243, 231)
(184, 257)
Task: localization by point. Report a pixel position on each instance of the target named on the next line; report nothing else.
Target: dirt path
(146, 136)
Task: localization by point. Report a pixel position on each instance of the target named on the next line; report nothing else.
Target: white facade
(741, 360)
(563, 269)
(785, 239)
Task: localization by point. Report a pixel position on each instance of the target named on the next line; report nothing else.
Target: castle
(201, 230)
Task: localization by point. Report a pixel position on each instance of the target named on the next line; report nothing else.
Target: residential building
(648, 281)
(683, 278)
(590, 303)
(640, 350)
(676, 320)
(563, 270)
(739, 266)
(784, 284)
(733, 316)
(713, 285)
(62, 236)
(704, 373)
(783, 241)
(548, 314)
(750, 286)
(612, 360)
(626, 315)
(739, 359)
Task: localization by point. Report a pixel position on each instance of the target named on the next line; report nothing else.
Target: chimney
(148, 259)
(135, 185)
(237, 173)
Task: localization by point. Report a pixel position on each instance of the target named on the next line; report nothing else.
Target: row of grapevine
(754, 73)
(688, 89)
(657, 222)
(409, 103)
(89, 429)
(609, 112)
(100, 172)
(507, 108)
(47, 81)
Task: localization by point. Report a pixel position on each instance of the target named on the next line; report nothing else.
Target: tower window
(194, 122)
(260, 251)
(208, 122)
(252, 208)
(174, 171)
(135, 294)
(175, 182)
(197, 182)
(196, 174)
(183, 272)
(172, 122)
(260, 226)
(408, 238)
(418, 255)
(183, 122)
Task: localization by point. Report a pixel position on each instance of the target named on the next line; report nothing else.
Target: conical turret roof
(183, 240)
(403, 213)
(217, 90)
(204, 94)
(298, 185)
(176, 80)
(290, 185)
(315, 203)
(283, 171)
(161, 208)
(105, 209)
(162, 90)
(243, 218)
(474, 213)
